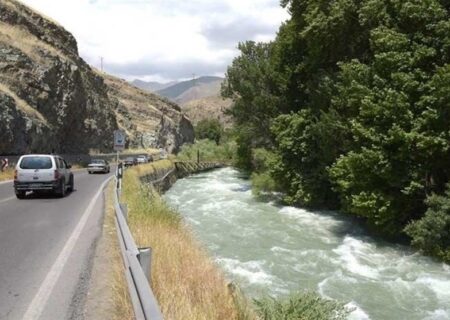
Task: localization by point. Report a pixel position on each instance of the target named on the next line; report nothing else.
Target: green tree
(353, 99)
(252, 84)
(210, 129)
(432, 232)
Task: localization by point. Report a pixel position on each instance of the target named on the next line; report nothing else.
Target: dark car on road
(130, 161)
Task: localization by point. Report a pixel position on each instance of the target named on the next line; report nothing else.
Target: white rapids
(272, 249)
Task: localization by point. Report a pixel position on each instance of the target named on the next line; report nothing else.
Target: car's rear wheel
(21, 194)
(61, 191)
(71, 183)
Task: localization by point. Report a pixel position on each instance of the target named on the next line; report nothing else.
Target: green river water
(272, 249)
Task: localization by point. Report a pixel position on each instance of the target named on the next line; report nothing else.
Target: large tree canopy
(353, 97)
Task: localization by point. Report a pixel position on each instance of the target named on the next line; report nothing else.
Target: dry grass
(185, 281)
(108, 293)
(8, 174)
(23, 105)
(122, 305)
(21, 39)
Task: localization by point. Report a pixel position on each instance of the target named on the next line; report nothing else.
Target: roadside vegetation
(7, 174)
(117, 285)
(185, 281)
(209, 151)
(352, 101)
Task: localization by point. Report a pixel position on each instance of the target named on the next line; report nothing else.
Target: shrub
(303, 306)
(210, 129)
(262, 180)
(431, 233)
(209, 151)
(262, 183)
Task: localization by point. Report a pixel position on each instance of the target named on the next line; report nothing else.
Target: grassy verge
(185, 281)
(8, 174)
(108, 291)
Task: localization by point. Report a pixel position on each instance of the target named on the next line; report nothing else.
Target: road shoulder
(107, 270)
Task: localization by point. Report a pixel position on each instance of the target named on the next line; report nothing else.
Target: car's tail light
(15, 174)
(57, 175)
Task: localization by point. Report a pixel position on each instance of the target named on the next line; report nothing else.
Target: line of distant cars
(51, 173)
(132, 161)
(102, 166)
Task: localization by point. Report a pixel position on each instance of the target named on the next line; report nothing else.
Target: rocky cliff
(148, 119)
(51, 100)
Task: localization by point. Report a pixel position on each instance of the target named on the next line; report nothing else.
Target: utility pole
(101, 63)
(195, 84)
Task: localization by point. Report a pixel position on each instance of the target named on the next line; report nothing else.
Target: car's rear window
(36, 163)
(98, 161)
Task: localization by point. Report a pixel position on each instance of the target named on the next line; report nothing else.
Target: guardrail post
(124, 208)
(145, 259)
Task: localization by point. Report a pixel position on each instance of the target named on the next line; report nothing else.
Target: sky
(163, 40)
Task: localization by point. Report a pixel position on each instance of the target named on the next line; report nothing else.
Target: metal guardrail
(137, 263)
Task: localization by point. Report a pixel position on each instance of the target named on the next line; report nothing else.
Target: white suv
(39, 172)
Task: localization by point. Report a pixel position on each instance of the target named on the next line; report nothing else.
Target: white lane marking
(36, 307)
(7, 199)
(5, 182)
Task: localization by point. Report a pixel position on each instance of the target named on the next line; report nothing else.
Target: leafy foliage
(210, 129)
(209, 151)
(262, 181)
(353, 99)
(306, 306)
(432, 233)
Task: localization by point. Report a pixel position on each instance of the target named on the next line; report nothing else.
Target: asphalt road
(46, 249)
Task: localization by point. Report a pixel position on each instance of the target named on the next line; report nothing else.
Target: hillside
(200, 91)
(152, 86)
(51, 99)
(192, 89)
(146, 118)
(208, 108)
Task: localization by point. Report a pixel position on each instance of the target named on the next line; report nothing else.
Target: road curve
(46, 250)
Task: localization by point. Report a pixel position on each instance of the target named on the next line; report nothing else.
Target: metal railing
(137, 263)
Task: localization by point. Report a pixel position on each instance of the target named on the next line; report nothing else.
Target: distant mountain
(152, 86)
(199, 98)
(186, 91)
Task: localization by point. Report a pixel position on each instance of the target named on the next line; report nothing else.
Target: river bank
(185, 281)
(271, 249)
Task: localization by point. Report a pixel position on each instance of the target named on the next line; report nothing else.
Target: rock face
(149, 120)
(51, 100)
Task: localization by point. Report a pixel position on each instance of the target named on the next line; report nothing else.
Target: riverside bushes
(304, 306)
(432, 232)
(352, 98)
(209, 151)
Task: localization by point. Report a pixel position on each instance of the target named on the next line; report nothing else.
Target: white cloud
(171, 39)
